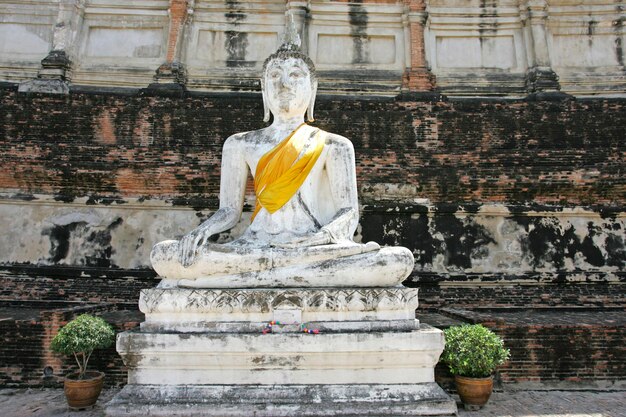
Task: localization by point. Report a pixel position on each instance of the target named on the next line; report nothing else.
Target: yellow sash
(280, 173)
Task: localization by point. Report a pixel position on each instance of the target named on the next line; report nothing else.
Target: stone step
(390, 357)
(426, 399)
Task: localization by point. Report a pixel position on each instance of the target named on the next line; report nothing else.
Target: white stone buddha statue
(306, 208)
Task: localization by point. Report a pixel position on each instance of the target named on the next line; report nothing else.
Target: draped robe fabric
(282, 170)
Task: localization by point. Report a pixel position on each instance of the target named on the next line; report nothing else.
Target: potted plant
(79, 338)
(472, 353)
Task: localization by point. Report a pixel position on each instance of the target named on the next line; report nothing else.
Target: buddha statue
(306, 213)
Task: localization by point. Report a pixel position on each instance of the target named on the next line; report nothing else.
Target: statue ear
(309, 110)
(266, 109)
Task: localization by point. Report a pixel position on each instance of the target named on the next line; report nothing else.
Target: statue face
(288, 88)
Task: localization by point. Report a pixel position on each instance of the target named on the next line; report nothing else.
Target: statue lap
(347, 264)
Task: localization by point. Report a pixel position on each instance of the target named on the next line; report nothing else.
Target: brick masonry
(565, 346)
(418, 77)
(27, 328)
(516, 152)
(178, 14)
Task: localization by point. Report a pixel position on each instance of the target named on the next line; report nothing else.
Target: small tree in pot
(80, 337)
(473, 353)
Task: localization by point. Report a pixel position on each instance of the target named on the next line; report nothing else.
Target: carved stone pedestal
(541, 79)
(53, 77)
(170, 79)
(211, 352)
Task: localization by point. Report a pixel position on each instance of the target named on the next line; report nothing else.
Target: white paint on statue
(308, 241)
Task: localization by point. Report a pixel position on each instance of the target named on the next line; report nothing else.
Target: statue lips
(287, 101)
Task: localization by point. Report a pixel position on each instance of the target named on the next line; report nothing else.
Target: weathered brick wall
(20, 362)
(562, 346)
(525, 291)
(573, 353)
(515, 152)
(119, 288)
(27, 329)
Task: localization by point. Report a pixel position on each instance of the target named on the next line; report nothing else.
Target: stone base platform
(282, 400)
(212, 352)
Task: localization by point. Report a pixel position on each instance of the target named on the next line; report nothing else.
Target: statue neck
(287, 123)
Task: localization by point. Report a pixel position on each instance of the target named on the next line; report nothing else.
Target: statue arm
(234, 174)
(340, 166)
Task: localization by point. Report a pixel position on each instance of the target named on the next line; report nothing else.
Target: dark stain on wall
(616, 250)
(60, 240)
(390, 230)
(463, 240)
(236, 44)
(589, 249)
(235, 14)
(96, 242)
(399, 230)
(547, 242)
(358, 30)
(422, 242)
(488, 26)
(617, 29)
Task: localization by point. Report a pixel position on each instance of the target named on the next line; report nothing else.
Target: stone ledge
(282, 400)
(257, 327)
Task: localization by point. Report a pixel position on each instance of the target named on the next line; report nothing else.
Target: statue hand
(189, 244)
(320, 238)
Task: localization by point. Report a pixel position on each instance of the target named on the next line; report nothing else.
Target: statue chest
(301, 214)
(254, 156)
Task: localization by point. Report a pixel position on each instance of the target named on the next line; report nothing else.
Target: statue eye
(275, 74)
(296, 74)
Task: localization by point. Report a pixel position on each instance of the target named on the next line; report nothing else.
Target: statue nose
(285, 81)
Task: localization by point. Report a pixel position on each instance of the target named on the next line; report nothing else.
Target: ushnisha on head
(288, 82)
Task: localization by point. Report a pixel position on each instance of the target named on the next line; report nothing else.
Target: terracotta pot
(83, 393)
(474, 392)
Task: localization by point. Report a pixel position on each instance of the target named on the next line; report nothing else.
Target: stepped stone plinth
(211, 352)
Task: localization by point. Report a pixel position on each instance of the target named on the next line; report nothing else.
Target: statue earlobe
(309, 110)
(266, 108)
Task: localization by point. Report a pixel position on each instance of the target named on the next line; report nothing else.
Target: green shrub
(80, 337)
(473, 351)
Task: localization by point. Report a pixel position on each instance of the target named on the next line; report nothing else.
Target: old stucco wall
(488, 239)
(473, 47)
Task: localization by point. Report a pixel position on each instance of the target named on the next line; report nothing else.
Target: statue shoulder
(338, 141)
(242, 139)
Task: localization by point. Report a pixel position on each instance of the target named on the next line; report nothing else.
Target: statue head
(288, 81)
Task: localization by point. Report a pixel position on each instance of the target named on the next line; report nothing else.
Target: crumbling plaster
(488, 239)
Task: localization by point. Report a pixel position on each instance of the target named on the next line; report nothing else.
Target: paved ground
(51, 403)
